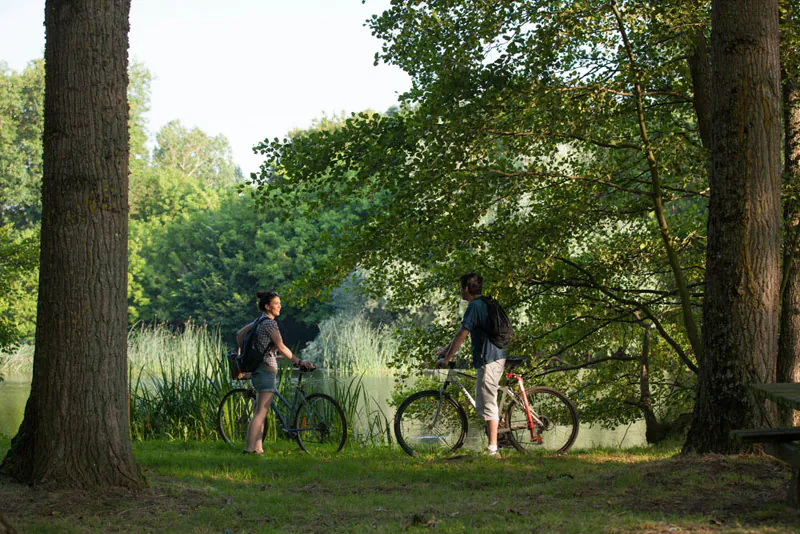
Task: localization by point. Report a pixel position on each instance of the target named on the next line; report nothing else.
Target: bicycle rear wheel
(429, 422)
(555, 422)
(320, 425)
(234, 414)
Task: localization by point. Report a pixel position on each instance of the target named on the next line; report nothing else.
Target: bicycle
(318, 423)
(539, 418)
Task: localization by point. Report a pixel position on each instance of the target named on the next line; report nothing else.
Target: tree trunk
(741, 304)
(75, 430)
(701, 86)
(787, 369)
(655, 431)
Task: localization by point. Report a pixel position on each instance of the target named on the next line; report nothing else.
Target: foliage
(19, 261)
(195, 154)
(205, 254)
(139, 102)
(559, 158)
(21, 123)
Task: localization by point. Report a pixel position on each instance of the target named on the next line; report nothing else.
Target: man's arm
(450, 352)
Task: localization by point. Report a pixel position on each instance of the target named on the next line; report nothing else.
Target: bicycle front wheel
(234, 414)
(320, 425)
(555, 422)
(430, 422)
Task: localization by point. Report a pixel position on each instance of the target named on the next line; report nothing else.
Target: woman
(270, 344)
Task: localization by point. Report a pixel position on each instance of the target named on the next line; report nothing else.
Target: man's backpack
(499, 329)
(249, 357)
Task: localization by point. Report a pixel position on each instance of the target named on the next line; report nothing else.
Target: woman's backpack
(250, 357)
(233, 365)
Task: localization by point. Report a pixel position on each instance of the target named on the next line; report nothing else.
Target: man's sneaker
(490, 452)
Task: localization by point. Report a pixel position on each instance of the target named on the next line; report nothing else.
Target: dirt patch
(123, 505)
(728, 490)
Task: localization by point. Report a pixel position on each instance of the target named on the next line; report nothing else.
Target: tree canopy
(554, 147)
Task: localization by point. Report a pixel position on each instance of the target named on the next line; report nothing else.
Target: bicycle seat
(513, 362)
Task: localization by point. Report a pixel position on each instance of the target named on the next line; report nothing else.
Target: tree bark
(787, 368)
(75, 429)
(741, 304)
(701, 85)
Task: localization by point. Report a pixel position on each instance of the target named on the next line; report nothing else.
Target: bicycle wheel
(429, 422)
(555, 422)
(320, 425)
(234, 415)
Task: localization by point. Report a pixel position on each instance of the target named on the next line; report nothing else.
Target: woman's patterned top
(266, 346)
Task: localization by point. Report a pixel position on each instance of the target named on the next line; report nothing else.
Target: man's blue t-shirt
(476, 320)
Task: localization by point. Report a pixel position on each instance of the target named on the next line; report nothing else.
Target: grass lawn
(208, 487)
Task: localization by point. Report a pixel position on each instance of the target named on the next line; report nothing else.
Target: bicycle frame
(290, 408)
(508, 396)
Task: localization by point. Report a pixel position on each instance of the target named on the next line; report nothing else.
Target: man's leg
(492, 425)
(486, 384)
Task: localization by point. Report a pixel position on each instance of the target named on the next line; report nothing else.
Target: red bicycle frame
(531, 425)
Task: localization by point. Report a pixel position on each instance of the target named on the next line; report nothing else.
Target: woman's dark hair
(264, 298)
(473, 282)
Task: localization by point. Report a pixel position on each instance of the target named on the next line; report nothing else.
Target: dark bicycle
(315, 421)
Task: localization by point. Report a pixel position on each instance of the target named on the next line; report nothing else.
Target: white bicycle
(433, 422)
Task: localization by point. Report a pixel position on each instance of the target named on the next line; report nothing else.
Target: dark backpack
(249, 357)
(499, 328)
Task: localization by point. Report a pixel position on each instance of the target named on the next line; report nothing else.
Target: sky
(246, 69)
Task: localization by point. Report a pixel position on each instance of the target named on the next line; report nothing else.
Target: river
(13, 396)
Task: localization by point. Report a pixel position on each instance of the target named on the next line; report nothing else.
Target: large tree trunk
(75, 429)
(741, 304)
(787, 369)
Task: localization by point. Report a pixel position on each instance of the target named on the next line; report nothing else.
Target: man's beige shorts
(486, 384)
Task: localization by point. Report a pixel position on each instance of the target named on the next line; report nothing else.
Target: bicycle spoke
(427, 423)
(320, 425)
(555, 422)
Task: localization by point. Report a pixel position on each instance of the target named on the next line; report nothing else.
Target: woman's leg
(255, 432)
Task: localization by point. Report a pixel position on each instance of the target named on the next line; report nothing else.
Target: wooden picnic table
(785, 394)
(778, 442)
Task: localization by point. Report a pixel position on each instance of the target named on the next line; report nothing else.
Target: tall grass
(176, 382)
(351, 345)
(367, 424)
(17, 364)
(177, 379)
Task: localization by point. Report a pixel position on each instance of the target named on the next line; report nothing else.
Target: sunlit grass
(207, 487)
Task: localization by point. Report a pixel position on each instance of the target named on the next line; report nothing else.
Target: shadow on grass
(209, 487)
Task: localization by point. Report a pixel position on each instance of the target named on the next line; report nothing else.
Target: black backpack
(499, 328)
(250, 358)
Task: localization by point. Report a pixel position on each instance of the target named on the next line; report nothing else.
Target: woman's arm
(277, 340)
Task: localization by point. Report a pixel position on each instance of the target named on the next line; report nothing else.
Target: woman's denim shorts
(263, 381)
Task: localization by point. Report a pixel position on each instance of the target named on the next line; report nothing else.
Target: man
(487, 358)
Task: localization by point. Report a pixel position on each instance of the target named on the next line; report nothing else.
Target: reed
(351, 345)
(17, 364)
(176, 382)
(367, 424)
